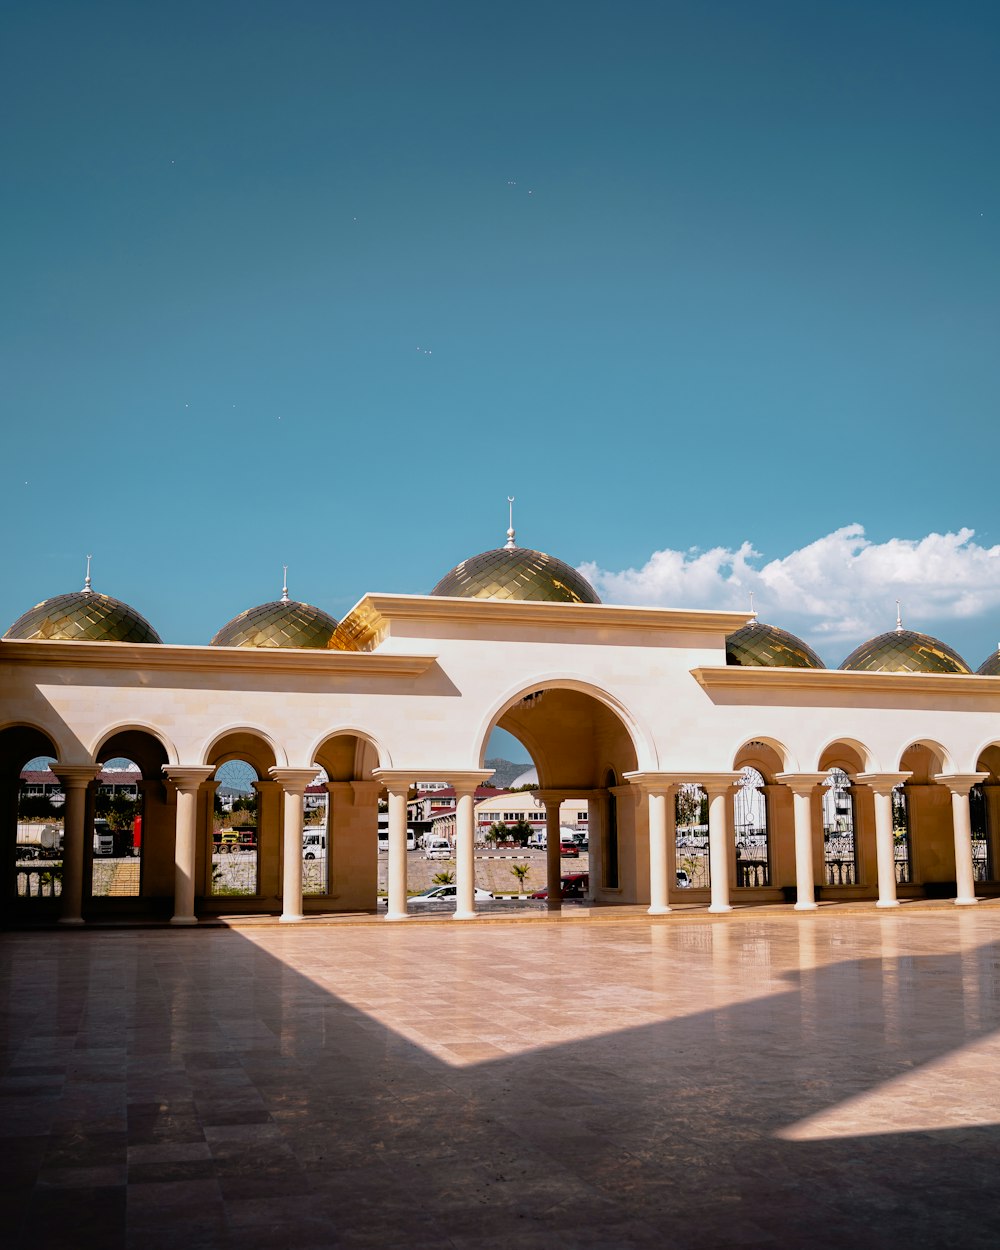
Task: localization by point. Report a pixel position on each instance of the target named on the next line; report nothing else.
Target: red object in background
(137, 833)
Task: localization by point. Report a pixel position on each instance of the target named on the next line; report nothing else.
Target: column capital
(881, 783)
(293, 780)
(653, 783)
(801, 783)
(402, 778)
(717, 783)
(75, 776)
(551, 798)
(188, 776)
(960, 783)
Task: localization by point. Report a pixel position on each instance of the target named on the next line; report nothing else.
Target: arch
(134, 727)
(833, 755)
(641, 738)
(992, 763)
(238, 751)
(351, 731)
(10, 731)
(748, 753)
(939, 756)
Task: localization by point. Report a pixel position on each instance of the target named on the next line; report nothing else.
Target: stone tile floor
(751, 1081)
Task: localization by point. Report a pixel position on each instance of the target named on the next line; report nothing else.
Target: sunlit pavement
(762, 1079)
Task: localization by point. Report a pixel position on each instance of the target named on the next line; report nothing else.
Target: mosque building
(879, 780)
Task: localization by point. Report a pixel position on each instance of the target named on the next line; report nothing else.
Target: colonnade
(659, 789)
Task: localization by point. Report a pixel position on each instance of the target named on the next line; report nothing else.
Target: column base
(73, 920)
(465, 915)
(291, 918)
(720, 907)
(806, 907)
(887, 902)
(553, 906)
(659, 911)
(397, 915)
(966, 902)
(183, 919)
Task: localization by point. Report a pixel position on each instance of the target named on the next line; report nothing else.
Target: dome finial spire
(284, 586)
(510, 544)
(86, 581)
(753, 611)
(899, 619)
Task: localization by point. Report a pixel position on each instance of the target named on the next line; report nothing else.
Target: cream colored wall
(446, 671)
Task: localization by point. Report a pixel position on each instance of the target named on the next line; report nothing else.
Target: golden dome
(513, 572)
(990, 667)
(83, 616)
(281, 623)
(904, 651)
(769, 646)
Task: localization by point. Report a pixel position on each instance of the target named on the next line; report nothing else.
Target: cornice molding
(830, 680)
(378, 610)
(159, 657)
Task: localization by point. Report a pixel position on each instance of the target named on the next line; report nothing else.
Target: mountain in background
(505, 772)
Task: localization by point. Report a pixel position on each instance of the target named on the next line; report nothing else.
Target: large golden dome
(283, 622)
(512, 572)
(83, 616)
(769, 646)
(905, 651)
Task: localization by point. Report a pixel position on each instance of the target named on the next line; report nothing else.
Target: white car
(437, 848)
(445, 894)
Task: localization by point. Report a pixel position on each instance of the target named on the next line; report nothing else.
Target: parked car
(445, 894)
(571, 885)
(569, 850)
(683, 880)
(437, 848)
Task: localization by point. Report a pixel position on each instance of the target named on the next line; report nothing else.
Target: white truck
(314, 843)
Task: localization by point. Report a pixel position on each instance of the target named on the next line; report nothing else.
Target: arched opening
(901, 835)
(581, 749)
(750, 823)
(235, 845)
(240, 823)
(840, 849)
(691, 823)
(984, 810)
(340, 866)
(32, 811)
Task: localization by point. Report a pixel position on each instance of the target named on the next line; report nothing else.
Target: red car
(569, 850)
(572, 885)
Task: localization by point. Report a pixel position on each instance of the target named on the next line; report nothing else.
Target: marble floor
(751, 1081)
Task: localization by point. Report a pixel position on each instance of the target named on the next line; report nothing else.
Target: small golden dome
(990, 667)
(516, 573)
(769, 646)
(281, 623)
(83, 616)
(904, 651)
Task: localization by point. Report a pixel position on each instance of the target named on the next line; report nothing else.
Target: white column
(553, 860)
(885, 849)
(186, 781)
(397, 909)
(660, 805)
(882, 786)
(465, 862)
(803, 788)
(74, 778)
(719, 837)
(960, 784)
(293, 782)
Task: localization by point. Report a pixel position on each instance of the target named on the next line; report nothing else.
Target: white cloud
(839, 589)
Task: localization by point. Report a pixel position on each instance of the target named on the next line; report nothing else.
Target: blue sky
(321, 284)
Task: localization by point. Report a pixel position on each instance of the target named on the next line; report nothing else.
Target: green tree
(520, 834)
(521, 871)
